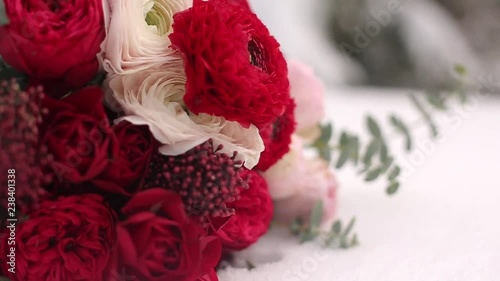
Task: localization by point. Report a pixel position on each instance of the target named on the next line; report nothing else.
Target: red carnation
(277, 136)
(54, 42)
(157, 242)
(233, 65)
(66, 239)
(253, 214)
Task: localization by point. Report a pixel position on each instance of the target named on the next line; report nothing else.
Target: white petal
(132, 45)
(154, 98)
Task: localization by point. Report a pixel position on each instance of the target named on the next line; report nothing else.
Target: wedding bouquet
(144, 140)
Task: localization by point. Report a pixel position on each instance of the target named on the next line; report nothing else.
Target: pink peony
(297, 182)
(308, 92)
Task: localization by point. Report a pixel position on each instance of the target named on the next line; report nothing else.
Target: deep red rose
(66, 239)
(158, 242)
(78, 134)
(55, 42)
(254, 212)
(277, 137)
(125, 172)
(234, 67)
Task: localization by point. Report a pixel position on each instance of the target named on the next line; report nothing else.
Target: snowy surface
(443, 225)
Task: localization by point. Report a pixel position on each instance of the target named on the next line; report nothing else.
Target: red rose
(158, 242)
(233, 65)
(254, 212)
(66, 239)
(87, 149)
(277, 136)
(124, 173)
(79, 136)
(54, 41)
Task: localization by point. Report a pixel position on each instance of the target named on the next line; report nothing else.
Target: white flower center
(158, 14)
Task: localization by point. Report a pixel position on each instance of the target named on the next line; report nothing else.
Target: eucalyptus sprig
(336, 237)
(376, 158)
(4, 19)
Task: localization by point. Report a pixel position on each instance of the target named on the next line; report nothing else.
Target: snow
(444, 223)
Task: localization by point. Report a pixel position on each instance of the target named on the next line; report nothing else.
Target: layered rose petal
(54, 42)
(70, 238)
(154, 98)
(157, 242)
(138, 34)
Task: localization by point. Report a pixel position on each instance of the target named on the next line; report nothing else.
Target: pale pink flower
(298, 181)
(309, 95)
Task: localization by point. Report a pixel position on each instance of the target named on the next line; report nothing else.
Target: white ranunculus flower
(154, 98)
(137, 34)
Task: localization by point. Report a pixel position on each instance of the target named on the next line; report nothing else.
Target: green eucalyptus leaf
(296, 226)
(384, 151)
(372, 149)
(394, 173)
(386, 165)
(401, 128)
(425, 114)
(337, 227)
(349, 227)
(437, 100)
(4, 19)
(392, 188)
(354, 149)
(344, 140)
(321, 144)
(373, 127)
(308, 235)
(373, 174)
(325, 154)
(316, 215)
(326, 132)
(344, 156)
(343, 242)
(344, 150)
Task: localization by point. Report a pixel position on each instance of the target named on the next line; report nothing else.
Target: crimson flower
(158, 242)
(69, 238)
(253, 214)
(234, 67)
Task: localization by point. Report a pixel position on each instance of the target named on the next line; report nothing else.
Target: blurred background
(390, 43)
